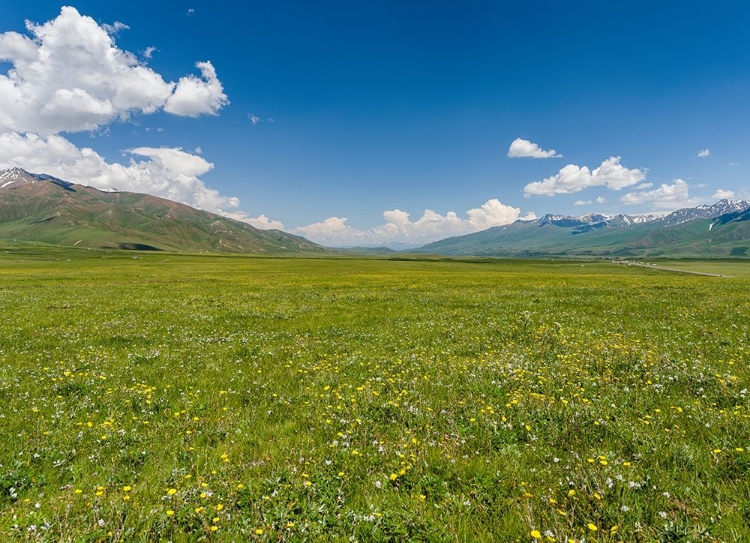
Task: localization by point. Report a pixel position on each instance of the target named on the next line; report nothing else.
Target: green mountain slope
(718, 237)
(725, 235)
(37, 208)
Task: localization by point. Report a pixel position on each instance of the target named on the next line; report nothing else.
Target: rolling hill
(718, 230)
(42, 208)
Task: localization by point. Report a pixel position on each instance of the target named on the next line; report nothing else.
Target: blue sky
(312, 112)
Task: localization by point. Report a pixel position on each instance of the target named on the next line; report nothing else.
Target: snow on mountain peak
(13, 173)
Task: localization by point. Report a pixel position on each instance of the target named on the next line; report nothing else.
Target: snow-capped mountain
(589, 221)
(599, 220)
(597, 234)
(17, 177)
(722, 207)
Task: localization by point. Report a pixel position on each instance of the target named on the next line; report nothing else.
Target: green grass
(191, 398)
(729, 268)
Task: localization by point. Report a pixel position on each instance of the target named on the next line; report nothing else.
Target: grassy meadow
(208, 398)
(727, 268)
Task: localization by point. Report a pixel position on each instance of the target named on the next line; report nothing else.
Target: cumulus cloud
(196, 96)
(601, 200)
(521, 148)
(494, 213)
(333, 232)
(262, 222)
(149, 52)
(722, 194)
(582, 203)
(399, 228)
(666, 196)
(703, 153)
(573, 178)
(69, 75)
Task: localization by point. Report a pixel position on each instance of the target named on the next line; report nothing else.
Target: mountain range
(718, 230)
(42, 208)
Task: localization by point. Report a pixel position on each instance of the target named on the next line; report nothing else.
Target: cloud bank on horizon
(68, 75)
(400, 229)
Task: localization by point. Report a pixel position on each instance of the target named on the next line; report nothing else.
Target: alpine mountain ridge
(718, 230)
(43, 208)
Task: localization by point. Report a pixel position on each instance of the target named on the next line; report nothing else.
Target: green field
(171, 397)
(728, 268)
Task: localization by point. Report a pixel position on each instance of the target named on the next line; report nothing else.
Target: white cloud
(165, 172)
(115, 28)
(149, 52)
(642, 186)
(666, 196)
(198, 96)
(521, 148)
(703, 153)
(494, 213)
(399, 229)
(333, 232)
(175, 160)
(572, 178)
(262, 222)
(69, 75)
(582, 203)
(601, 200)
(722, 194)
(253, 118)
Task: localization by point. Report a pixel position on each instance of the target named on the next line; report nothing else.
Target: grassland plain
(192, 398)
(728, 268)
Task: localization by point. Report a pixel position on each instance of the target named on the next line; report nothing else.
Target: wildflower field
(207, 398)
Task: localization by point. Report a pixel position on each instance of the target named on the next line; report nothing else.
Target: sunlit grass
(189, 398)
(729, 268)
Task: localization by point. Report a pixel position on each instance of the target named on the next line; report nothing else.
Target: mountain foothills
(42, 208)
(718, 230)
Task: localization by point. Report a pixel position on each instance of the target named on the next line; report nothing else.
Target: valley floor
(722, 268)
(190, 398)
